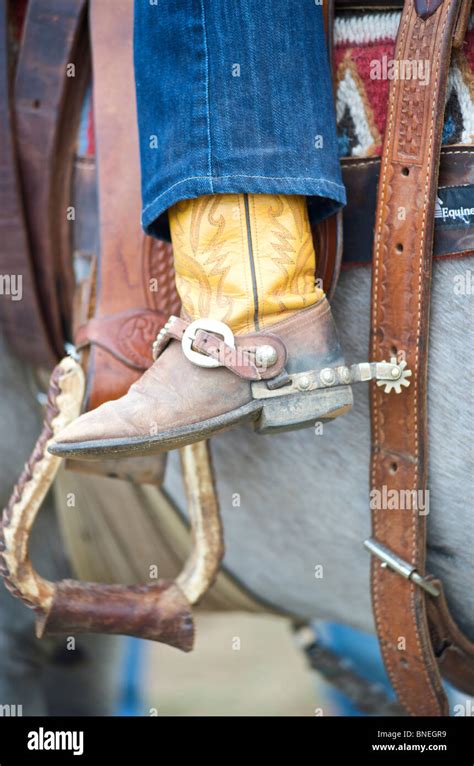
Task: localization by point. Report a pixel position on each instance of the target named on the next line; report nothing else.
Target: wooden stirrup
(160, 612)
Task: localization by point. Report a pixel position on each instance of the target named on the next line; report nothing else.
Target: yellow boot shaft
(245, 259)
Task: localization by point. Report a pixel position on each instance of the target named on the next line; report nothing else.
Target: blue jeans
(234, 97)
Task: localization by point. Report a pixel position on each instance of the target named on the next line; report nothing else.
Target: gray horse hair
(296, 505)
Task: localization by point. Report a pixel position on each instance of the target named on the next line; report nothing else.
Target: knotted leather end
(426, 8)
(157, 612)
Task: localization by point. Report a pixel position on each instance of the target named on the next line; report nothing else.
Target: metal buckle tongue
(400, 566)
(208, 325)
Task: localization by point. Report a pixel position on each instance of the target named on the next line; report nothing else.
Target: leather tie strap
(400, 316)
(127, 335)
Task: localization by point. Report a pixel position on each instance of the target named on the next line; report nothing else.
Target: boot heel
(302, 410)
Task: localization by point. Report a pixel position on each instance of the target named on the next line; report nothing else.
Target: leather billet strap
(51, 79)
(400, 325)
(327, 234)
(456, 174)
(21, 313)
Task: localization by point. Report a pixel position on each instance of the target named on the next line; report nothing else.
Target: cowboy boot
(255, 341)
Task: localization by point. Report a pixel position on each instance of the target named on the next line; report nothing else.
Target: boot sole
(276, 415)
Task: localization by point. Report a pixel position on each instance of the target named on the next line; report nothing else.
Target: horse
(295, 506)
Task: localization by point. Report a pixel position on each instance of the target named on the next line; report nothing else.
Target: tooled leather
(284, 255)
(412, 109)
(134, 272)
(159, 283)
(127, 335)
(243, 265)
(400, 306)
(212, 267)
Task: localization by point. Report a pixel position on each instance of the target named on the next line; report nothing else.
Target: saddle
(115, 320)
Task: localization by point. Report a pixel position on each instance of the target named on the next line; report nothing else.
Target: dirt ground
(242, 665)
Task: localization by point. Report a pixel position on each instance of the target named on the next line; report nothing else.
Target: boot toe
(107, 422)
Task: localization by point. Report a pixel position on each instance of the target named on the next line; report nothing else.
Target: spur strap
(413, 624)
(261, 358)
(211, 343)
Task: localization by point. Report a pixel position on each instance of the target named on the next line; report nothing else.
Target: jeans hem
(333, 194)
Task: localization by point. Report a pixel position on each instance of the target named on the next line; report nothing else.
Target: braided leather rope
(64, 399)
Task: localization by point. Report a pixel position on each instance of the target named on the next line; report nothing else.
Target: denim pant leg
(234, 97)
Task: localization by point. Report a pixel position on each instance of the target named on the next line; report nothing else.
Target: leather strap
(400, 325)
(239, 359)
(127, 335)
(22, 320)
(135, 279)
(50, 82)
(327, 235)
(361, 179)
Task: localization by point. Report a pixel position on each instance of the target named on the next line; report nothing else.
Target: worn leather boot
(255, 341)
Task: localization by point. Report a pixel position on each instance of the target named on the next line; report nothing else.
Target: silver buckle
(400, 566)
(208, 325)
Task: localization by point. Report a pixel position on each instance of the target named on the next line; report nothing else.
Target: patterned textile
(361, 39)
(361, 101)
(364, 50)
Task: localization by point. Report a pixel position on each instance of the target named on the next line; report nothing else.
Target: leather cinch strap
(414, 626)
